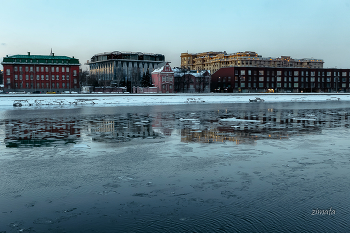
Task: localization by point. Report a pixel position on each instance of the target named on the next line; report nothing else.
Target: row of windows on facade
(43, 77)
(41, 61)
(167, 78)
(165, 87)
(43, 85)
(31, 69)
(296, 73)
(288, 85)
(285, 79)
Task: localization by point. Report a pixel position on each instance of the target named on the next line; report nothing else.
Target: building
(191, 81)
(282, 79)
(123, 68)
(214, 61)
(163, 79)
(40, 73)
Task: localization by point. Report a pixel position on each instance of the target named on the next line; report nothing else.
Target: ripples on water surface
(186, 168)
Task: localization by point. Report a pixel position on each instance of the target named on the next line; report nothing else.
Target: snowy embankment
(159, 99)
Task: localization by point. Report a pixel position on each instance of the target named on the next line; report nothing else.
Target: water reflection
(40, 132)
(239, 126)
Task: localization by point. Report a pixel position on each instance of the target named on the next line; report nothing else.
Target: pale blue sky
(298, 28)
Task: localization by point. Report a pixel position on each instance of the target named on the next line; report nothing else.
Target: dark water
(184, 168)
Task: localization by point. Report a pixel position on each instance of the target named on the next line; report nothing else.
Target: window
(16, 77)
(27, 77)
(296, 73)
(37, 85)
(312, 79)
(57, 77)
(67, 85)
(249, 72)
(295, 79)
(37, 77)
(261, 84)
(27, 85)
(278, 84)
(67, 69)
(62, 69)
(57, 69)
(343, 74)
(63, 77)
(312, 73)
(63, 84)
(261, 79)
(75, 81)
(46, 69)
(37, 69)
(163, 78)
(296, 85)
(53, 85)
(242, 72)
(47, 85)
(278, 79)
(67, 77)
(343, 85)
(8, 72)
(285, 79)
(20, 69)
(47, 77)
(328, 73)
(74, 73)
(242, 84)
(27, 68)
(42, 85)
(58, 85)
(31, 77)
(261, 72)
(42, 69)
(53, 77)
(52, 69)
(31, 69)
(16, 69)
(42, 77)
(279, 73)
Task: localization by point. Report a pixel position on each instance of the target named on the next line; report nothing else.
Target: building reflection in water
(40, 132)
(122, 128)
(246, 127)
(237, 126)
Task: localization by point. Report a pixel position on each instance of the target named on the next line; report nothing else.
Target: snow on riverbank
(156, 99)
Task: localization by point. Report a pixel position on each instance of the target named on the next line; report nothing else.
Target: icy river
(243, 167)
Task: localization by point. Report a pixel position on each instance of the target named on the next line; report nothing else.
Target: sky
(300, 28)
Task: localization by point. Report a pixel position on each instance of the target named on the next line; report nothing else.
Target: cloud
(3, 44)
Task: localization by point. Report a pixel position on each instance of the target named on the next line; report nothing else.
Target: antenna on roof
(51, 52)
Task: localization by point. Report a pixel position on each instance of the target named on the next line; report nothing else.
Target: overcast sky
(272, 28)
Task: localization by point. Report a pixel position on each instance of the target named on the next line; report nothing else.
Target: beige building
(213, 61)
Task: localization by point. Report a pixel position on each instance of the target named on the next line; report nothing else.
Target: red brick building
(40, 73)
(280, 79)
(163, 79)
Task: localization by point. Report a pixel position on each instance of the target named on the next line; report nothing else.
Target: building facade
(40, 73)
(163, 79)
(123, 68)
(191, 81)
(214, 61)
(282, 79)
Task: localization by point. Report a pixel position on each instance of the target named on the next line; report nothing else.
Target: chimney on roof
(28, 53)
(53, 54)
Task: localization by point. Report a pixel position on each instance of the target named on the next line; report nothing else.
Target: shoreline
(165, 99)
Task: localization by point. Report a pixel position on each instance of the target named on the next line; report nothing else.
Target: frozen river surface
(258, 167)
